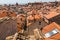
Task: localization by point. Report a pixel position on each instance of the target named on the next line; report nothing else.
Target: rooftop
(51, 15)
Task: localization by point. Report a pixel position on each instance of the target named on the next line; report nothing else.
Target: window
(53, 32)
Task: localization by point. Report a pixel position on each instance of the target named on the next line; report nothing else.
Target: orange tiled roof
(48, 39)
(19, 17)
(51, 15)
(34, 11)
(3, 13)
(50, 27)
(30, 17)
(13, 14)
(58, 7)
(29, 13)
(37, 17)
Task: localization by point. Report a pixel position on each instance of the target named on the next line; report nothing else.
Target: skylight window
(51, 33)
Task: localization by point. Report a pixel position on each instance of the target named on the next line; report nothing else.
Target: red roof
(51, 15)
(50, 27)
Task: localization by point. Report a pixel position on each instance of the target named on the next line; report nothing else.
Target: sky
(21, 1)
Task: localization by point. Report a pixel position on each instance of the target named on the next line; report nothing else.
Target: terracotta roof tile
(50, 27)
(51, 15)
